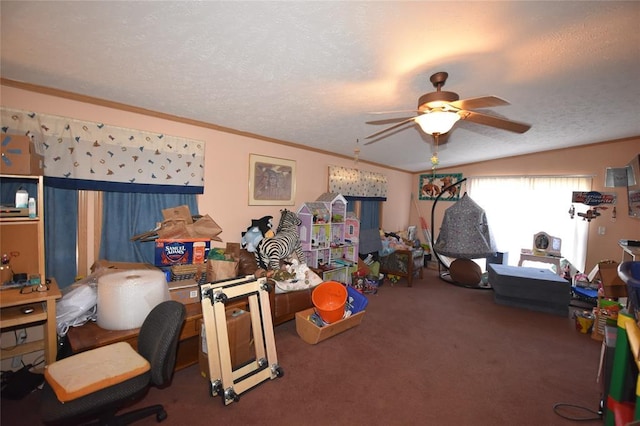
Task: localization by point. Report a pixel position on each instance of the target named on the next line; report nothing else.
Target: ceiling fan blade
(389, 128)
(392, 112)
(493, 121)
(481, 102)
(388, 120)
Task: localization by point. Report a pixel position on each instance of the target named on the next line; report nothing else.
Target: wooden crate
(312, 334)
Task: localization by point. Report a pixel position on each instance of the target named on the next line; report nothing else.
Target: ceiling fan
(438, 111)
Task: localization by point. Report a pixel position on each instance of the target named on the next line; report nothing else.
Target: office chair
(157, 343)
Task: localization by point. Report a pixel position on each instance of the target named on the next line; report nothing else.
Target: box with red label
(179, 252)
(19, 156)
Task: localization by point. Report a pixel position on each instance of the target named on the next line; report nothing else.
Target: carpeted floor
(433, 354)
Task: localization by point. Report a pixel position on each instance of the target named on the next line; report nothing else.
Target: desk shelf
(44, 314)
(23, 349)
(13, 317)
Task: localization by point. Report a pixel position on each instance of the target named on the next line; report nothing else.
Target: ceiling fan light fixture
(437, 122)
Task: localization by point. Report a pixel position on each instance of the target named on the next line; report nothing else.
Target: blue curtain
(369, 224)
(370, 215)
(369, 210)
(128, 214)
(60, 234)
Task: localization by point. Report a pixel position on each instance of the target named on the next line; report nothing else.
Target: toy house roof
(314, 207)
(331, 197)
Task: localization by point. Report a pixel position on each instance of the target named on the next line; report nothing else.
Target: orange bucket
(329, 298)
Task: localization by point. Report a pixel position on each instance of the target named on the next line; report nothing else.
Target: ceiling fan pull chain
(434, 159)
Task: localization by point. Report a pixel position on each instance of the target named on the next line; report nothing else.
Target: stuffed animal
(251, 238)
(286, 241)
(259, 229)
(265, 225)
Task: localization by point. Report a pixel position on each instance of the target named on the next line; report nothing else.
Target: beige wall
(225, 197)
(227, 168)
(586, 160)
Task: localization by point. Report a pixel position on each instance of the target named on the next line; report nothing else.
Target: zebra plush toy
(286, 241)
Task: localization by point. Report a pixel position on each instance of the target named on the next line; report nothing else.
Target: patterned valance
(96, 156)
(357, 183)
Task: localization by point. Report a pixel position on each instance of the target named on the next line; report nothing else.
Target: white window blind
(357, 183)
(97, 156)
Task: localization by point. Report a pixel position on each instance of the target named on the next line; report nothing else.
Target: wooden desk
(91, 336)
(44, 304)
(629, 252)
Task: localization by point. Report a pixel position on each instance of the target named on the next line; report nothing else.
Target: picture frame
(272, 181)
(431, 185)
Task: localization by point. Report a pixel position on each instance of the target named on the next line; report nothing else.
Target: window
(519, 207)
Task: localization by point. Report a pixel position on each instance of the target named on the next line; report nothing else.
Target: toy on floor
(393, 278)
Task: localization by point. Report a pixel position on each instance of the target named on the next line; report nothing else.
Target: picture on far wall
(272, 181)
(431, 185)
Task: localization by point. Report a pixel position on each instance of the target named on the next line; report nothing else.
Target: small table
(44, 305)
(544, 259)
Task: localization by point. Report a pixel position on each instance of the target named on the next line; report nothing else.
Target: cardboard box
(312, 334)
(19, 156)
(184, 291)
(607, 272)
(177, 252)
(241, 345)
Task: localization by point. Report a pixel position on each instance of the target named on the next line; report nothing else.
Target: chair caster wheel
(161, 416)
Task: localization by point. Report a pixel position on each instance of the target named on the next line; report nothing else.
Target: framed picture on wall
(272, 181)
(431, 185)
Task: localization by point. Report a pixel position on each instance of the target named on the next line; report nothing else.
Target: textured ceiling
(310, 73)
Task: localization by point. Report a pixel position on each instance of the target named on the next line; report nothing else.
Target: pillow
(465, 272)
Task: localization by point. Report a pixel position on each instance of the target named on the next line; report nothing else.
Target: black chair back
(158, 339)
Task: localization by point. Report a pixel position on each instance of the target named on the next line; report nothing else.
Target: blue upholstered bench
(530, 288)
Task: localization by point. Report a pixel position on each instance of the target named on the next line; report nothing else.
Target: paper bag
(173, 229)
(179, 213)
(205, 227)
(221, 269)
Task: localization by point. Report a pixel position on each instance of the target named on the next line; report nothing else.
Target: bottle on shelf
(32, 208)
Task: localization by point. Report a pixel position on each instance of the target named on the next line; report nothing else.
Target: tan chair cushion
(90, 371)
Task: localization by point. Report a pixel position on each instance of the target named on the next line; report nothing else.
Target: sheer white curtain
(519, 207)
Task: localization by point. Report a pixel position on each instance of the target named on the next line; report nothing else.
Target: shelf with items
(22, 237)
(22, 241)
(329, 237)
